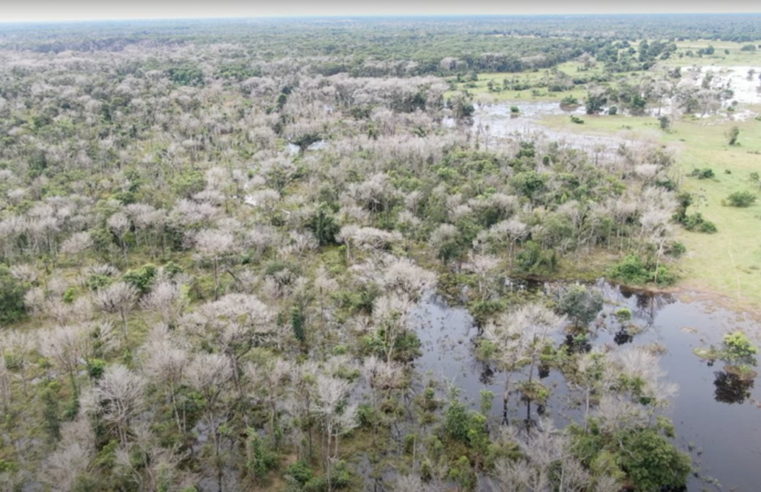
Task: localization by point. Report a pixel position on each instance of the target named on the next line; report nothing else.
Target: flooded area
(496, 124)
(718, 423)
(743, 81)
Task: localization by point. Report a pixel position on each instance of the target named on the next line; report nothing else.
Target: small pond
(719, 426)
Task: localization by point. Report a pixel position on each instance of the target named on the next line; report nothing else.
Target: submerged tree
(580, 305)
(516, 340)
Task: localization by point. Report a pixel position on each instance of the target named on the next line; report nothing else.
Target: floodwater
(743, 81)
(721, 429)
(495, 124)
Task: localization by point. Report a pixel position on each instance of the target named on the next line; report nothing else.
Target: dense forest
(215, 239)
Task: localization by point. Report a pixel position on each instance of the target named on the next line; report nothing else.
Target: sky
(77, 10)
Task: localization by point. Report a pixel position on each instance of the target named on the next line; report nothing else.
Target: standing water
(718, 423)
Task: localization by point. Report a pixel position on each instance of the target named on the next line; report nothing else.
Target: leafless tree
(209, 374)
(548, 463)
(337, 419)
(215, 245)
(270, 380)
(390, 317)
(512, 231)
(234, 325)
(119, 297)
(382, 377)
(165, 362)
(72, 457)
(517, 339)
(117, 398)
(168, 299)
(77, 244)
(66, 346)
(119, 225)
(484, 267)
(406, 278)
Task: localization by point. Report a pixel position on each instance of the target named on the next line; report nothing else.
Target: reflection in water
(730, 388)
(648, 306)
(622, 337)
(487, 373)
(576, 344)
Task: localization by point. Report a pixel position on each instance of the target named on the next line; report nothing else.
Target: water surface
(723, 437)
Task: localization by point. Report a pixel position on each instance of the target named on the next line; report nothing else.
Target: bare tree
(72, 457)
(337, 419)
(484, 268)
(165, 362)
(512, 231)
(66, 346)
(117, 398)
(234, 324)
(382, 377)
(215, 245)
(516, 340)
(77, 244)
(548, 464)
(119, 297)
(209, 374)
(390, 317)
(168, 299)
(119, 225)
(270, 380)
(406, 278)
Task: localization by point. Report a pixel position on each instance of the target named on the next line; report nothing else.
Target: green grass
(727, 263)
(480, 88)
(720, 58)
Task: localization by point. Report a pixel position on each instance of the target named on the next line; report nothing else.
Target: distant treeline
(405, 46)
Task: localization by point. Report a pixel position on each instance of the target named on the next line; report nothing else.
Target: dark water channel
(719, 425)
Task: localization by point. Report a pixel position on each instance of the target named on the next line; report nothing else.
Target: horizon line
(362, 16)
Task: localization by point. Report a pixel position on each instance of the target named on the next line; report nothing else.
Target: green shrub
(632, 270)
(12, 293)
(732, 135)
(677, 249)
(96, 368)
(652, 462)
(534, 260)
(300, 471)
(741, 199)
(97, 281)
(623, 314)
(142, 278)
(69, 295)
(323, 225)
(697, 223)
(705, 173)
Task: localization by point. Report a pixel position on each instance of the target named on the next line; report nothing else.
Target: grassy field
(735, 57)
(480, 88)
(728, 263)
